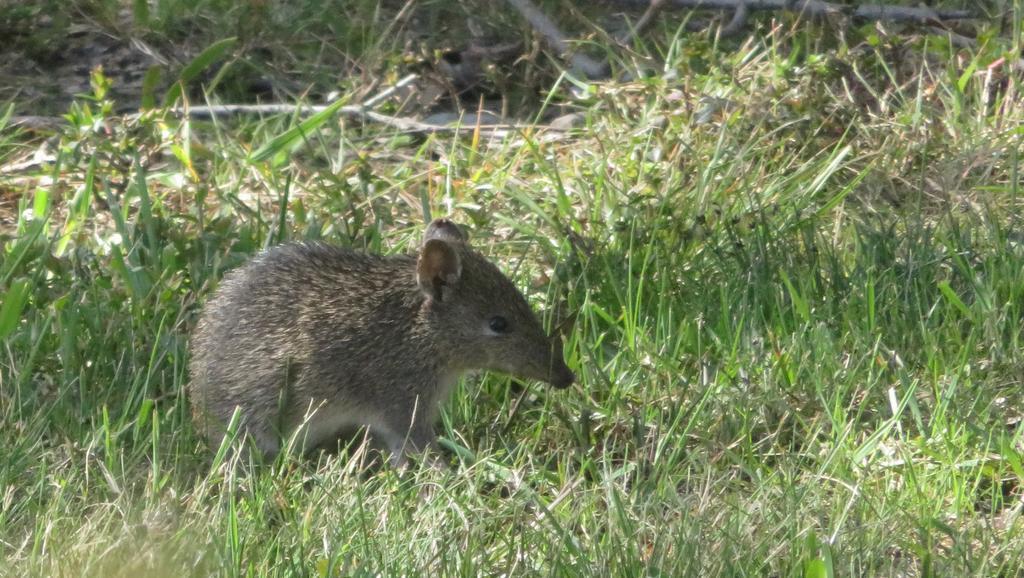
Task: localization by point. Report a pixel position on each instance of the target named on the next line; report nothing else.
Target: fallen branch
(358, 112)
(818, 8)
(35, 122)
(557, 40)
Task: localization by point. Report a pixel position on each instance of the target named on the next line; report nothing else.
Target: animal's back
(270, 318)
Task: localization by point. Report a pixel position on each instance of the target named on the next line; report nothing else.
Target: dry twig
(921, 14)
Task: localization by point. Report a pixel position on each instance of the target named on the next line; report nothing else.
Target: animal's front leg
(424, 447)
(412, 434)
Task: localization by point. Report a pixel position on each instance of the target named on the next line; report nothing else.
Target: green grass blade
(204, 60)
(297, 132)
(14, 303)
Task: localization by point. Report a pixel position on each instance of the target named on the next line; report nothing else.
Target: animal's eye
(498, 324)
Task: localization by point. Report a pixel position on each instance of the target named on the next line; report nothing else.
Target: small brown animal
(314, 340)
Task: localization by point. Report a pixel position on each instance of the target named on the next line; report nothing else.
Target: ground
(787, 267)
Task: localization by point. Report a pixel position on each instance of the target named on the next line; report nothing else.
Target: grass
(789, 268)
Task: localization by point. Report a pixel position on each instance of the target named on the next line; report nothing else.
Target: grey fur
(316, 339)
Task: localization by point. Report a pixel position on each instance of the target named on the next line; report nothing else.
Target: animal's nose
(563, 378)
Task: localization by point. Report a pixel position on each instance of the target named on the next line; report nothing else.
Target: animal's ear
(444, 229)
(438, 267)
